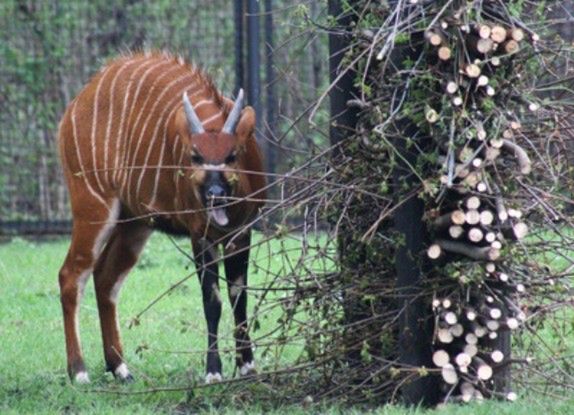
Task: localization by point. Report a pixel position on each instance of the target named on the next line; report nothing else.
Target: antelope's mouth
(218, 213)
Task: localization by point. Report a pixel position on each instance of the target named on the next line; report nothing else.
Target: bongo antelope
(150, 143)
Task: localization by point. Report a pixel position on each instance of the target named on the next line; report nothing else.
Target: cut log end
(434, 251)
(444, 53)
(472, 70)
(449, 374)
(440, 358)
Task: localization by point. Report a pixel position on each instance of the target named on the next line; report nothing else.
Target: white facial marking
(213, 166)
(213, 378)
(82, 378)
(247, 369)
(122, 371)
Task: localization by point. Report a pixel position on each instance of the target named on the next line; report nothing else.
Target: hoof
(213, 378)
(123, 374)
(82, 378)
(247, 369)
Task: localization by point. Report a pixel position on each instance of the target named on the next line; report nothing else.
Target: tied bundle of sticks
(472, 223)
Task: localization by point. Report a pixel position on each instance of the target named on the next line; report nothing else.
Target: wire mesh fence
(50, 50)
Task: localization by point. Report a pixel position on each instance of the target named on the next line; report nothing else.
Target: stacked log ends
(474, 228)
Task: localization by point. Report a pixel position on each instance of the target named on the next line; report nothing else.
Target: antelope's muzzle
(215, 192)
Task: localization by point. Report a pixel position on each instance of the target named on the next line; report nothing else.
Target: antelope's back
(117, 138)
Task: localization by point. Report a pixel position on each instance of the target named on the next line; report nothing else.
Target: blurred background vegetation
(49, 50)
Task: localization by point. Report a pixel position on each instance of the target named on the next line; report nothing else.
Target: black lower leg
(236, 264)
(209, 280)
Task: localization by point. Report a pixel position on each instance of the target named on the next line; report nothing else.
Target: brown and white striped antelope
(150, 143)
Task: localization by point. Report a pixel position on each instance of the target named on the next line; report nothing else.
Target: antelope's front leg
(206, 263)
(236, 263)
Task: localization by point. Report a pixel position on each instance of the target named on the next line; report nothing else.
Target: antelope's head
(214, 156)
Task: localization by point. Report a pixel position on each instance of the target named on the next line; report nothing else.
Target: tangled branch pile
(459, 97)
(464, 108)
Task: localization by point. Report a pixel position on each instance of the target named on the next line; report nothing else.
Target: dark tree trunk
(342, 126)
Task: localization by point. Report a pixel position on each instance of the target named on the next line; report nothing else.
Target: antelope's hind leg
(91, 230)
(117, 259)
(236, 263)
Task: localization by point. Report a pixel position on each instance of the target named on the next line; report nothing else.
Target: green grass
(32, 357)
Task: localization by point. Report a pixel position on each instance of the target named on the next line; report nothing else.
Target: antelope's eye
(196, 159)
(231, 158)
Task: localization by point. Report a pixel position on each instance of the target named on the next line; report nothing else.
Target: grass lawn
(165, 349)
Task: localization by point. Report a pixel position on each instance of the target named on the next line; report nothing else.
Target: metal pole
(270, 85)
(238, 17)
(253, 66)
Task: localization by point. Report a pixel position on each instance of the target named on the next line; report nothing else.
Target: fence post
(238, 14)
(270, 120)
(254, 67)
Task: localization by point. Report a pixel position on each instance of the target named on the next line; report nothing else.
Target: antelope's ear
(182, 127)
(246, 126)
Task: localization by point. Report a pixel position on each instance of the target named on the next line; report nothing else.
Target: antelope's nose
(215, 191)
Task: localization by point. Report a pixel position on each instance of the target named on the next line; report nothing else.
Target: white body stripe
(126, 139)
(131, 165)
(107, 137)
(201, 103)
(120, 137)
(96, 173)
(79, 155)
(159, 121)
(209, 120)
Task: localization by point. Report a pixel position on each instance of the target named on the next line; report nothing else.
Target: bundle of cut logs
(472, 224)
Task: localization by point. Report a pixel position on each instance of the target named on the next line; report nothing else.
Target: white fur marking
(136, 249)
(236, 287)
(216, 292)
(202, 103)
(149, 117)
(212, 118)
(213, 166)
(122, 371)
(213, 378)
(94, 125)
(127, 172)
(247, 368)
(82, 279)
(103, 235)
(82, 378)
(120, 137)
(78, 154)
